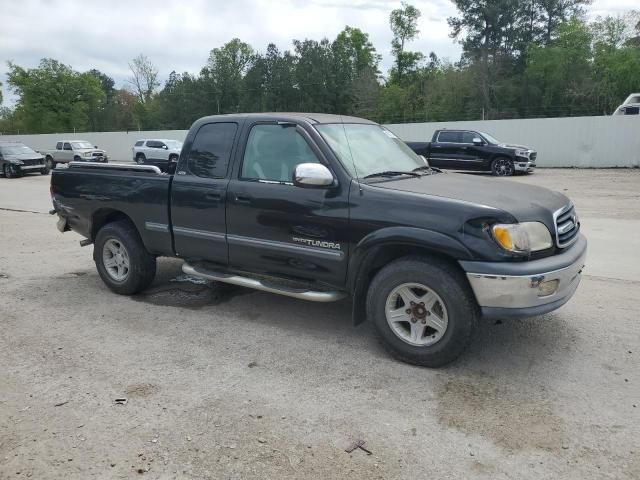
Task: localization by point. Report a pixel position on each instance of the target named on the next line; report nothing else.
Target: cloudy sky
(178, 35)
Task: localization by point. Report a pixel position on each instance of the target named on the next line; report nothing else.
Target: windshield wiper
(427, 167)
(392, 173)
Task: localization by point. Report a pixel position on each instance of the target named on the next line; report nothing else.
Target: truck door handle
(213, 196)
(243, 200)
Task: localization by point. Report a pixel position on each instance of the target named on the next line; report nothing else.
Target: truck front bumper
(526, 289)
(524, 164)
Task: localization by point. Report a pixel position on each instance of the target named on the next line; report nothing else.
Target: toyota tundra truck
(321, 207)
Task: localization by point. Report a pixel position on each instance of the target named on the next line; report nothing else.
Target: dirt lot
(223, 382)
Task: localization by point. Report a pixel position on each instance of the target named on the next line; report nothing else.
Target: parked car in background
(16, 159)
(157, 151)
(476, 151)
(631, 106)
(74, 151)
(319, 207)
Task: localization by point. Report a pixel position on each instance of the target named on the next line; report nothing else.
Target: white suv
(160, 152)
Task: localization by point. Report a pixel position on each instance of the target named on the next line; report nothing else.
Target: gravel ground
(223, 382)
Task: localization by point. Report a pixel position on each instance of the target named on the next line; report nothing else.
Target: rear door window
(59, 146)
(449, 137)
(211, 150)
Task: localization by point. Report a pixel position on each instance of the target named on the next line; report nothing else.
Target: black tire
(142, 265)
(449, 284)
(50, 162)
(77, 159)
(45, 171)
(502, 167)
(11, 171)
(140, 159)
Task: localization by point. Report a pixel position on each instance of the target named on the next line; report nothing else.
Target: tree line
(520, 59)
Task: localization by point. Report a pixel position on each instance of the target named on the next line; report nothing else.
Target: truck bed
(89, 193)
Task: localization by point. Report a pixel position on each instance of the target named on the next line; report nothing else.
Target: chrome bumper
(522, 165)
(518, 290)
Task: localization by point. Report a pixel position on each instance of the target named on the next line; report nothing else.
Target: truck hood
(526, 203)
(521, 147)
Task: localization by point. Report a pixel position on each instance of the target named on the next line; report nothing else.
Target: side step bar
(313, 296)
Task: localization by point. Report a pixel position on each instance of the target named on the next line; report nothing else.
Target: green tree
(224, 72)
(53, 97)
(560, 74)
(144, 77)
(404, 26)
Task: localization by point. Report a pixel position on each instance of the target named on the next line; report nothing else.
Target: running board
(310, 295)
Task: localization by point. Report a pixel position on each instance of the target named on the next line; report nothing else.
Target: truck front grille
(567, 226)
(31, 162)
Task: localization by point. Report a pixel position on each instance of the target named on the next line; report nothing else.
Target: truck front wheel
(423, 310)
(122, 260)
(502, 167)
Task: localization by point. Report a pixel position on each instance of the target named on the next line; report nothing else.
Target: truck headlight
(522, 153)
(522, 237)
(88, 154)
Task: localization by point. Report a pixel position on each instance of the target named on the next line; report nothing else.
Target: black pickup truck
(321, 207)
(475, 151)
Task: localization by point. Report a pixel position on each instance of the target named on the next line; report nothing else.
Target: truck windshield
(490, 139)
(78, 145)
(366, 149)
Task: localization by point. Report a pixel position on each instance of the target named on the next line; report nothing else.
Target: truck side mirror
(312, 175)
(478, 141)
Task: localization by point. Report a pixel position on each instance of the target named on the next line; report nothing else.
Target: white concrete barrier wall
(585, 142)
(117, 144)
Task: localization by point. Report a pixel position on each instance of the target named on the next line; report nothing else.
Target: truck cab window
(449, 137)
(211, 149)
(67, 146)
(273, 152)
(467, 137)
(59, 146)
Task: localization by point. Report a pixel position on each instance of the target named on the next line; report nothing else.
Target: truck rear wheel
(423, 310)
(140, 159)
(122, 261)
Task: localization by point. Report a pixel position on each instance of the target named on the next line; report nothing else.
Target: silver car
(160, 152)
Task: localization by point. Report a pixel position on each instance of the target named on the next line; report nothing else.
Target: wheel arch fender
(104, 216)
(383, 246)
